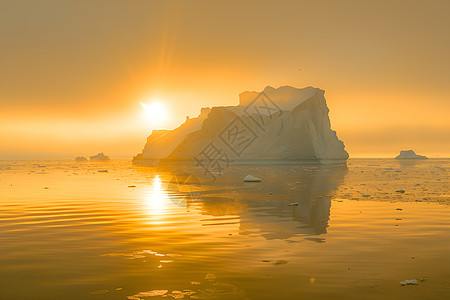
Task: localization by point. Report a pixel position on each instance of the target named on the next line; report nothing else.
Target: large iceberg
(409, 154)
(283, 125)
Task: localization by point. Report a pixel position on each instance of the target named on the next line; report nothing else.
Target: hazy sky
(73, 73)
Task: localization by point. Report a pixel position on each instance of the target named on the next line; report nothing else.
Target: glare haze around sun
(155, 113)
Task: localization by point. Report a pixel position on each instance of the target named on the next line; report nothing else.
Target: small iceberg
(81, 158)
(100, 156)
(409, 154)
(250, 178)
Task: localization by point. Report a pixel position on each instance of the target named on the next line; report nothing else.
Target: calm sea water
(74, 231)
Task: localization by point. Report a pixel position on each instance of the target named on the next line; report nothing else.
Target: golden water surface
(114, 230)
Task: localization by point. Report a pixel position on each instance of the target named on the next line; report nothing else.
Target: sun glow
(155, 113)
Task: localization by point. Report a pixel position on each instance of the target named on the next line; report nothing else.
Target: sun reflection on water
(157, 199)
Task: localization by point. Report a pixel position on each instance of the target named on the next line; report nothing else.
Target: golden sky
(73, 73)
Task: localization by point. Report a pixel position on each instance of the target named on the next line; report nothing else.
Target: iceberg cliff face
(284, 124)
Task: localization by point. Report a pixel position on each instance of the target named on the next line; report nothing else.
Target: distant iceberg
(286, 125)
(81, 158)
(409, 154)
(100, 156)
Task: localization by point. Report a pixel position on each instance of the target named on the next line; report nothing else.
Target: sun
(155, 113)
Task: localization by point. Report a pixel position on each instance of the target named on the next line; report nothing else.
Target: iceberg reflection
(264, 209)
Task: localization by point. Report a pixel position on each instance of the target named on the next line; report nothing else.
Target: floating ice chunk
(250, 178)
(176, 294)
(280, 262)
(423, 279)
(153, 293)
(99, 292)
(409, 282)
